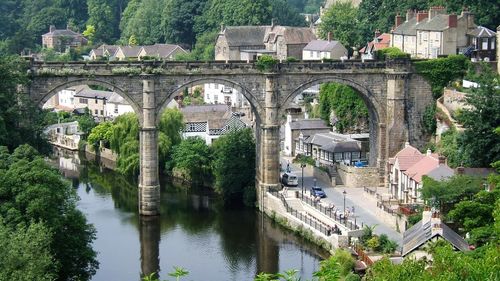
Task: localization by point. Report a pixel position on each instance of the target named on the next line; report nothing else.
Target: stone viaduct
(395, 95)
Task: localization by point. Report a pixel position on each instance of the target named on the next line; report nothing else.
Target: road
(364, 208)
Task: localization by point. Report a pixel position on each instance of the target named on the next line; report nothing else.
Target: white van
(289, 179)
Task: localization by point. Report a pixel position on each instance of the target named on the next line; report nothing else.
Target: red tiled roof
(422, 167)
(406, 157)
(381, 42)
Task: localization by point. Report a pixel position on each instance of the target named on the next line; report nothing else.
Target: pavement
(364, 207)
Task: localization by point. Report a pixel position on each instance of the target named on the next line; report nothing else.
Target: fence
(362, 255)
(386, 209)
(314, 223)
(331, 214)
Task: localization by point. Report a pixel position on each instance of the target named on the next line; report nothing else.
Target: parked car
(317, 191)
(289, 179)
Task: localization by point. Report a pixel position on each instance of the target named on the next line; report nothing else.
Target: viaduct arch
(395, 95)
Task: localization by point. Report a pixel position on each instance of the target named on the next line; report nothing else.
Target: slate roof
(89, 93)
(333, 142)
(407, 27)
(110, 49)
(306, 124)
(237, 36)
(292, 35)
(420, 233)
(482, 32)
(323, 45)
(116, 98)
(62, 32)
(130, 51)
(441, 172)
(437, 23)
(161, 50)
(215, 114)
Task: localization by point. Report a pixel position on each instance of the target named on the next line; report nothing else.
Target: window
(338, 156)
(116, 108)
(484, 45)
(85, 101)
(216, 98)
(192, 127)
(216, 86)
(311, 54)
(96, 111)
(102, 112)
(95, 100)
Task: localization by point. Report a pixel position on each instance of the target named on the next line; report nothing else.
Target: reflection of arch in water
(375, 110)
(252, 100)
(89, 82)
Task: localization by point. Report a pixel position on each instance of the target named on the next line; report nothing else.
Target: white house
(324, 49)
(221, 94)
(116, 105)
(306, 127)
(65, 135)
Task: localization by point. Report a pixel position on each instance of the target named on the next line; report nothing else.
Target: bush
(291, 59)
(352, 277)
(391, 53)
(300, 158)
(373, 243)
(266, 63)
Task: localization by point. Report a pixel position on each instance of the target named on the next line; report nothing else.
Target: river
(194, 231)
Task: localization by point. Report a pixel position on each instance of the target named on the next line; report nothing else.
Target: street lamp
(302, 166)
(345, 193)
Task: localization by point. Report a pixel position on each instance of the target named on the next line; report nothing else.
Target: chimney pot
(422, 16)
(452, 20)
(399, 20)
(429, 152)
(407, 144)
(329, 36)
(410, 14)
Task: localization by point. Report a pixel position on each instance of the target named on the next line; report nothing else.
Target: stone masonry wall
(358, 177)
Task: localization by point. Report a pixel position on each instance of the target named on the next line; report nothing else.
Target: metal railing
(331, 214)
(306, 218)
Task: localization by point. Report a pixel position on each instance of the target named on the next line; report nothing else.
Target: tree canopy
(36, 199)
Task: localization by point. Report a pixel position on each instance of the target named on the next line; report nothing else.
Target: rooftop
(305, 124)
(322, 45)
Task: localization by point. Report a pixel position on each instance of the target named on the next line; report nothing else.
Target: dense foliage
(38, 215)
(341, 20)
(480, 143)
(20, 120)
(193, 157)
(234, 167)
(446, 193)
(440, 72)
(122, 136)
(349, 109)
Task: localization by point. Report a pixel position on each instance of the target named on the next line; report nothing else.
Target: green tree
(89, 33)
(178, 21)
(285, 14)
(350, 110)
(101, 132)
(32, 192)
(20, 120)
(341, 20)
(193, 156)
(170, 127)
(446, 193)
(234, 167)
(481, 145)
(104, 20)
(26, 253)
(143, 20)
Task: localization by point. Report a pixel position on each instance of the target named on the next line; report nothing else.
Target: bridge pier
(269, 142)
(149, 184)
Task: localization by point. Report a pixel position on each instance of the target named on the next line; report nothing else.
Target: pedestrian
(329, 231)
(288, 167)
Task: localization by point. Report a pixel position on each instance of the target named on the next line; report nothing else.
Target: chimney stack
(399, 20)
(52, 28)
(436, 10)
(452, 20)
(441, 160)
(329, 36)
(410, 14)
(421, 15)
(377, 33)
(222, 28)
(407, 144)
(429, 152)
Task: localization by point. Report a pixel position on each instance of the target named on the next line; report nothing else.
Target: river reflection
(194, 231)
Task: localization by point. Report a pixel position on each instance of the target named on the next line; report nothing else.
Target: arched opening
(372, 104)
(214, 91)
(77, 106)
